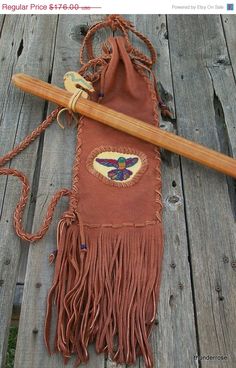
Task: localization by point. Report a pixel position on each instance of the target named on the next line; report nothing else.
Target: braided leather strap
(18, 213)
(118, 22)
(30, 138)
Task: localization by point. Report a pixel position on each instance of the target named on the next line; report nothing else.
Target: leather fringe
(105, 292)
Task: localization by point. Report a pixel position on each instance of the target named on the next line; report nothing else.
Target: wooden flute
(137, 128)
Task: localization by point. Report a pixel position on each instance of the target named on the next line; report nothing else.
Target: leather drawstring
(117, 22)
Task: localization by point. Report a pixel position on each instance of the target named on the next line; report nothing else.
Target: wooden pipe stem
(129, 125)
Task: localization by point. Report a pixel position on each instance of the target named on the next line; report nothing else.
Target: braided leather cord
(18, 213)
(118, 22)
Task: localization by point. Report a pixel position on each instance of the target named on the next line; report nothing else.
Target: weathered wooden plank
(2, 17)
(211, 227)
(226, 101)
(24, 36)
(21, 49)
(171, 299)
(229, 25)
(175, 315)
(56, 173)
(17, 303)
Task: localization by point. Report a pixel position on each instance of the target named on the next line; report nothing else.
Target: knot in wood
(218, 288)
(226, 259)
(233, 264)
(174, 199)
(156, 322)
(173, 202)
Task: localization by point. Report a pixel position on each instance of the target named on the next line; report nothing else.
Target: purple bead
(83, 246)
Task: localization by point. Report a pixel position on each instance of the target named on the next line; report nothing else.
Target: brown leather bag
(110, 243)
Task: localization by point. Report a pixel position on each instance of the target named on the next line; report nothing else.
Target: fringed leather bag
(109, 242)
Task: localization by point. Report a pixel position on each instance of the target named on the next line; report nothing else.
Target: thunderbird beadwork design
(117, 166)
(120, 172)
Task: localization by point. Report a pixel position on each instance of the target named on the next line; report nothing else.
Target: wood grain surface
(210, 219)
(137, 128)
(21, 48)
